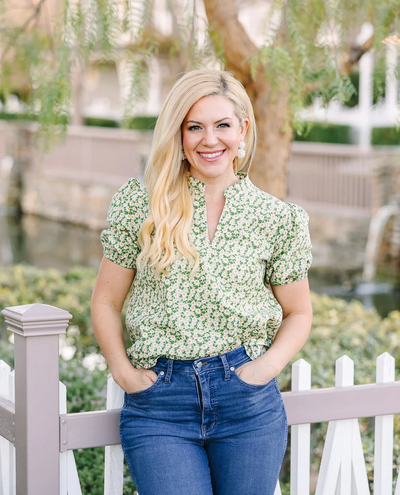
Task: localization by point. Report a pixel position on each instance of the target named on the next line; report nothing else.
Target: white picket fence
(342, 471)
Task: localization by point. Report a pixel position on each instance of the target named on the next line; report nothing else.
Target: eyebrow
(196, 122)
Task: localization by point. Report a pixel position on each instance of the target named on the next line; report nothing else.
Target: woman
(217, 266)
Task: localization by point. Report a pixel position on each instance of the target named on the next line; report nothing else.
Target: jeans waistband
(236, 357)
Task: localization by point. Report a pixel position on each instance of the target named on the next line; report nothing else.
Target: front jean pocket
(149, 389)
(252, 385)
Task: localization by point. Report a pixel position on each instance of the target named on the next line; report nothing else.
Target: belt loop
(169, 371)
(226, 367)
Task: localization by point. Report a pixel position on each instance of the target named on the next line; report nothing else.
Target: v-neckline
(211, 241)
(199, 187)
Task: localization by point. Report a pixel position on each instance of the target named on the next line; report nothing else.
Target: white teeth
(211, 155)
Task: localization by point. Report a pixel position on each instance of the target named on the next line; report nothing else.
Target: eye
(224, 125)
(194, 127)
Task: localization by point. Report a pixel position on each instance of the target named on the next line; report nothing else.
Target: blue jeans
(201, 430)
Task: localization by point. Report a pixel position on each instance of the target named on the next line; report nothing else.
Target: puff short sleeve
(125, 215)
(291, 257)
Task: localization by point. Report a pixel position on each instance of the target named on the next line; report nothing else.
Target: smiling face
(211, 134)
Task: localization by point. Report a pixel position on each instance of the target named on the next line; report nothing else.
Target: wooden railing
(33, 414)
(334, 176)
(330, 176)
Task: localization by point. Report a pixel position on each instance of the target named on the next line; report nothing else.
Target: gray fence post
(36, 329)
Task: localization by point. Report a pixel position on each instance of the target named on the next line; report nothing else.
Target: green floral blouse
(259, 240)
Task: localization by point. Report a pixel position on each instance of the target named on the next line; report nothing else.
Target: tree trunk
(272, 111)
(275, 134)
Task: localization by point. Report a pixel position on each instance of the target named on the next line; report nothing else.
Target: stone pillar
(366, 65)
(365, 101)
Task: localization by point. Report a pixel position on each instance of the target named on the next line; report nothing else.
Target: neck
(216, 186)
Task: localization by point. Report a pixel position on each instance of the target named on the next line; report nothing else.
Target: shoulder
(269, 205)
(131, 190)
(130, 200)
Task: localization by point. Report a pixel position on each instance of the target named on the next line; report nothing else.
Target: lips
(211, 156)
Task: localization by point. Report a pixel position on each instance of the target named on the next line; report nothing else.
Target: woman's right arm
(110, 291)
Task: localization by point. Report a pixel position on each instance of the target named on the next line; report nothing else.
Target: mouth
(210, 157)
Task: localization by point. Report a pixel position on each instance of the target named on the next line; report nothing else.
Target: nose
(210, 139)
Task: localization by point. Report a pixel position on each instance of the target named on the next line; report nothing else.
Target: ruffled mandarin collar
(243, 182)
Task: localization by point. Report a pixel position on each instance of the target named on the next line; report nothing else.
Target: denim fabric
(201, 430)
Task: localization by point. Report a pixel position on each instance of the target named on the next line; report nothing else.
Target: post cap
(36, 319)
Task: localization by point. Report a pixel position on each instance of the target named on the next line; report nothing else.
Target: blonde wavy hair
(165, 234)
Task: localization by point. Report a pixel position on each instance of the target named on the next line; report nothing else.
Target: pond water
(48, 244)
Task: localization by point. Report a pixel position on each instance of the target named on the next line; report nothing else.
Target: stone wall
(386, 180)
(386, 187)
(76, 181)
(82, 202)
(338, 239)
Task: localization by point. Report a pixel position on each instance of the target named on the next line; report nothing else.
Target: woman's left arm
(294, 298)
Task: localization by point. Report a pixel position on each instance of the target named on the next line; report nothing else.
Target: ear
(244, 127)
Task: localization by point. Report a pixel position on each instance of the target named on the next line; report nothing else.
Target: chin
(213, 170)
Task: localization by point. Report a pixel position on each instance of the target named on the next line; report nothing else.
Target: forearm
(290, 338)
(109, 333)
(112, 286)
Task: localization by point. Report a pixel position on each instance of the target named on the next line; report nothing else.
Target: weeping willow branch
(20, 30)
(356, 53)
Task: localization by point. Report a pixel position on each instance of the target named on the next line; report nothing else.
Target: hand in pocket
(140, 380)
(253, 374)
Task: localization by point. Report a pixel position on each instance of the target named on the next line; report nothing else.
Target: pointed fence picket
(383, 470)
(114, 457)
(300, 436)
(4, 456)
(7, 450)
(343, 470)
(278, 490)
(69, 479)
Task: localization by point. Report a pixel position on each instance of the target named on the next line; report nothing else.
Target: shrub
(17, 116)
(326, 133)
(71, 290)
(385, 136)
(139, 123)
(100, 122)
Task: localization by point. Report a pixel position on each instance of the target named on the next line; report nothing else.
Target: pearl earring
(241, 151)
